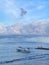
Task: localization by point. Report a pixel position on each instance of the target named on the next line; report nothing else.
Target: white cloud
(9, 7)
(40, 7)
(2, 29)
(37, 28)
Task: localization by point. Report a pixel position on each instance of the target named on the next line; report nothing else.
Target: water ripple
(26, 58)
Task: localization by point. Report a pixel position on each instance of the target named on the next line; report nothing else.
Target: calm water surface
(10, 56)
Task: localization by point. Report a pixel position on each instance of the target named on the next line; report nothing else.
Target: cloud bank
(34, 28)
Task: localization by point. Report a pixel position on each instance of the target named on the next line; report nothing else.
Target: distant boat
(42, 48)
(23, 50)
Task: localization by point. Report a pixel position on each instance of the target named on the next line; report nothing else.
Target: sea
(10, 56)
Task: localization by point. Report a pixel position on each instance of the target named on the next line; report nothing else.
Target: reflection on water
(10, 56)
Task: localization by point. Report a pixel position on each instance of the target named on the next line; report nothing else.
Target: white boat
(23, 50)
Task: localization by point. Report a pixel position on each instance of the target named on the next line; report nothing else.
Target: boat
(42, 48)
(23, 50)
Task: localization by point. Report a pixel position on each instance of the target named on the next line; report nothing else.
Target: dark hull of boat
(42, 48)
(23, 51)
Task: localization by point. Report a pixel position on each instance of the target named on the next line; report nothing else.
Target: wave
(26, 58)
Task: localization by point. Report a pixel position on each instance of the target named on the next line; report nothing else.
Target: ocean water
(10, 56)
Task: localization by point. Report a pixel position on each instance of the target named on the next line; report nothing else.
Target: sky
(10, 11)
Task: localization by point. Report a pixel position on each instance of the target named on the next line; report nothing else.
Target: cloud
(9, 8)
(2, 29)
(35, 28)
(40, 7)
(12, 11)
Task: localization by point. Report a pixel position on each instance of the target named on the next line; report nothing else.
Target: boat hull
(42, 48)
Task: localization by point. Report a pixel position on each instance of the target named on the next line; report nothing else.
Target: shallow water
(10, 56)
